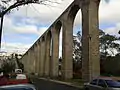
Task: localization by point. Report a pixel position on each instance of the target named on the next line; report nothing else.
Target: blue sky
(24, 26)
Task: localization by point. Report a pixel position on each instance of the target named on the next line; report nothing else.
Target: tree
(7, 5)
(8, 66)
(19, 64)
(77, 48)
(107, 43)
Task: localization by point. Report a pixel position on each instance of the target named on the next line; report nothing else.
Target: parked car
(19, 79)
(18, 87)
(102, 83)
(18, 70)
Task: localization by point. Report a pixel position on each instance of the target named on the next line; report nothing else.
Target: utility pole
(1, 26)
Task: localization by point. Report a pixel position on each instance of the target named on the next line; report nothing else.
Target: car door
(101, 85)
(93, 85)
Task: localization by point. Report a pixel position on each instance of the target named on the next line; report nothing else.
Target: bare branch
(19, 3)
(23, 2)
(52, 1)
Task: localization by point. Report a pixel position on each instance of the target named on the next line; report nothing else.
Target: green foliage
(111, 65)
(20, 65)
(108, 42)
(8, 67)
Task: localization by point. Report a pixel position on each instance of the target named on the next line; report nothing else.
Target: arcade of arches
(43, 56)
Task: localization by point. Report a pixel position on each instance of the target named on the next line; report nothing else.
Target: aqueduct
(43, 56)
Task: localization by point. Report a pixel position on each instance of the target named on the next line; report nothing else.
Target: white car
(18, 70)
(21, 76)
(18, 87)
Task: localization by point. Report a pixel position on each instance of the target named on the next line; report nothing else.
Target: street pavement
(46, 84)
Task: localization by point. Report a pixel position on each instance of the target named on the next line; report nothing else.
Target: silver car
(18, 87)
(102, 83)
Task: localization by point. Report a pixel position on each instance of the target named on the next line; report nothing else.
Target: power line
(35, 9)
(48, 6)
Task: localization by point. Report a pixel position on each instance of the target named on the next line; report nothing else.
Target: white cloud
(113, 30)
(45, 15)
(42, 30)
(109, 12)
(7, 25)
(28, 29)
(15, 47)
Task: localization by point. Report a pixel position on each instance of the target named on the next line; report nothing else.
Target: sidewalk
(60, 82)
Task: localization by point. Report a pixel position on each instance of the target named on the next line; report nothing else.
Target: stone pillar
(90, 40)
(67, 52)
(26, 66)
(32, 62)
(42, 55)
(29, 62)
(47, 55)
(33, 59)
(25, 63)
(55, 53)
(37, 56)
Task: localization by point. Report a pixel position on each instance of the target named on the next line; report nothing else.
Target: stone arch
(48, 53)
(58, 26)
(55, 48)
(42, 54)
(67, 69)
(73, 11)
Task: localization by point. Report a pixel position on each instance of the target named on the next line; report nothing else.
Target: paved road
(42, 84)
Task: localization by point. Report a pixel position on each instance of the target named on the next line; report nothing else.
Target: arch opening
(48, 54)
(75, 17)
(58, 28)
(73, 12)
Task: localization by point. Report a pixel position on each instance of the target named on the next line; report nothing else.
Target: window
(101, 83)
(112, 83)
(94, 82)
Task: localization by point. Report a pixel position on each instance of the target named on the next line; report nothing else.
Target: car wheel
(86, 88)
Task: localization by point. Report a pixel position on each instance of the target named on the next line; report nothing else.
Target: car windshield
(113, 83)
